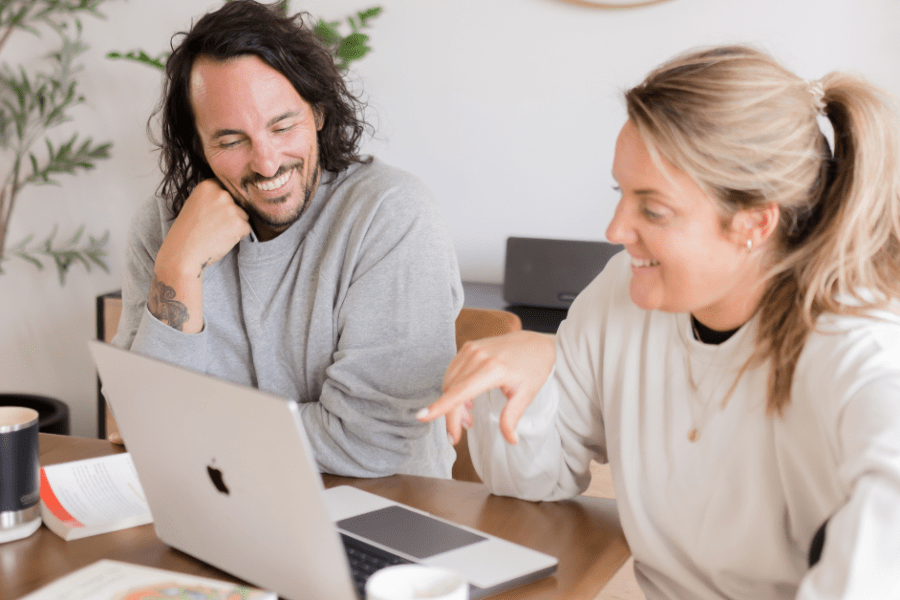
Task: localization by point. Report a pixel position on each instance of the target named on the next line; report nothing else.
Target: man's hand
(209, 225)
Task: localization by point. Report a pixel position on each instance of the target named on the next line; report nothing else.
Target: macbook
(230, 479)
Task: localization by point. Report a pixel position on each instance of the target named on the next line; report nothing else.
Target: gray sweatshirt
(350, 312)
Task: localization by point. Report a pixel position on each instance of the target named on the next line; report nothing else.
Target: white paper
(100, 490)
(113, 580)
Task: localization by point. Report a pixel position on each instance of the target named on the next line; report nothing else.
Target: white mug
(416, 582)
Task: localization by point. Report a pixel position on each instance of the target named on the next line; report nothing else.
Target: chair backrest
(474, 324)
(109, 309)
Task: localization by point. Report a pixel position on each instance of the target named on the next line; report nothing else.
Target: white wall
(508, 109)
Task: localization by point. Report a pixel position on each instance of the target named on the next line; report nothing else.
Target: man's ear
(319, 115)
(756, 224)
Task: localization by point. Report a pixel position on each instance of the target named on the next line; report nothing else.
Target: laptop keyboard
(365, 559)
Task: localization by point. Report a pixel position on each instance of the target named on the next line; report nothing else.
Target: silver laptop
(231, 480)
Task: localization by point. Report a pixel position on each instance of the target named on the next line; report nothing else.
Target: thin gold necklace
(697, 424)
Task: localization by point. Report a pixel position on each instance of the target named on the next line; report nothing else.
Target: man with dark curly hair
(276, 256)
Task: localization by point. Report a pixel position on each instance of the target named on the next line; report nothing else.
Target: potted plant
(33, 103)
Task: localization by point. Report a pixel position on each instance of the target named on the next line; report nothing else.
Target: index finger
(456, 395)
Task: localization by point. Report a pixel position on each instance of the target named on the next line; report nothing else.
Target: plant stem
(5, 37)
(4, 220)
(31, 106)
(10, 202)
(7, 202)
(9, 28)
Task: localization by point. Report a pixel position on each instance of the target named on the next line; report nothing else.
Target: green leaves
(344, 49)
(38, 102)
(27, 14)
(350, 48)
(32, 103)
(370, 13)
(157, 62)
(89, 253)
(66, 159)
(353, 47)
(327, 32)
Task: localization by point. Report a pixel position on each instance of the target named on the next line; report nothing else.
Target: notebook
(231, 480)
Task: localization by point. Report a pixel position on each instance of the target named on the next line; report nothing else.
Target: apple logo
(215, 476)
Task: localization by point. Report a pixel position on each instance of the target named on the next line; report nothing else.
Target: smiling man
(276, 256)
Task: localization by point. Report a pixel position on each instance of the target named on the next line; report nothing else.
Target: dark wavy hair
(285, 43)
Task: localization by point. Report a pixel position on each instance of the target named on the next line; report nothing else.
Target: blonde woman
(739, 364)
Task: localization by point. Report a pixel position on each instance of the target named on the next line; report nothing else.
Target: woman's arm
(542, 392)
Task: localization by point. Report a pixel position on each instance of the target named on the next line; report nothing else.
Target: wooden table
(583, 533)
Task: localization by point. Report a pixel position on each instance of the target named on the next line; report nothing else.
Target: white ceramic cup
(416, 582)
(20, 479)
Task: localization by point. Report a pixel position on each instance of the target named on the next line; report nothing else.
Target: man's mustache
(255, 178)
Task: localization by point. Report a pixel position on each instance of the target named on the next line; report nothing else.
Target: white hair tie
(818, 93)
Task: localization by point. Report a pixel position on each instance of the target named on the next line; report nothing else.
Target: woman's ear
(753, 227)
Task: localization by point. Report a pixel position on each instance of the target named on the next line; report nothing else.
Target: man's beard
(307, 187)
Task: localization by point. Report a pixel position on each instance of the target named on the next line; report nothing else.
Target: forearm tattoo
(163, 305)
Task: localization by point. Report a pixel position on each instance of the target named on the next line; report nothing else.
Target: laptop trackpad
(409, 532)
(486, 561)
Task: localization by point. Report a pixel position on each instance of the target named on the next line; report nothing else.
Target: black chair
(53, 414)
